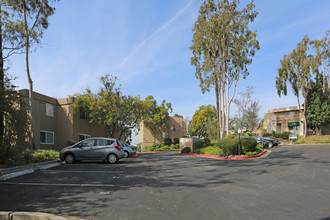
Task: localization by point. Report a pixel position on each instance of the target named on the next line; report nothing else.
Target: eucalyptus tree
(33, 16)
(322, 48)
(223, 46)
(298, 69)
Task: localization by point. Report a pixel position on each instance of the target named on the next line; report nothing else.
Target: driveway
(293, 182)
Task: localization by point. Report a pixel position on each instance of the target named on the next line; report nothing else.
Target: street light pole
(239, 141)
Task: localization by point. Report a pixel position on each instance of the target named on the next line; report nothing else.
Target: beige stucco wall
(65, 123)
(176, 129)
(277, 120)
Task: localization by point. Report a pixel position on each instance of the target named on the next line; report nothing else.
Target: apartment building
(284, 120)
(176, 129)
(56, 123)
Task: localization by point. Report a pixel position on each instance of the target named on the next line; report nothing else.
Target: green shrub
(199, 144)
(139, 148)
(207, 141)
(231, 136)
(260, 148)
(174, 147)
(211, 150)
(228, 146)
(150, 148)
(186, 150)
(167, 141)
(285, 135)
(248, 145)
(251, 153)
(176, 140)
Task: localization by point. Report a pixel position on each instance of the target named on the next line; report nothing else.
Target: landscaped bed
(236, 157)
(18, 158)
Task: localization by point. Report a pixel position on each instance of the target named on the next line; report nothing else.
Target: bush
(260, 148)
(17, 158)
(176, 140)
(211, 150)
(174, 147)
(207, 141)
(167, 141)
(186, 150)
(199, 144)
(285, 135)
(228, 146)
(231, 136)
(250, 153)
(248, 145)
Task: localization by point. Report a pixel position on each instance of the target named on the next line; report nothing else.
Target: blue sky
(145, 43)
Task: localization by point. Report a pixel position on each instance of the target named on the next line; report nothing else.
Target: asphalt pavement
(292, 182)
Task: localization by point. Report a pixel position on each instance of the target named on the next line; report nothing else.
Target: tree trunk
(304, 118)
(27, 39)
(2, 89)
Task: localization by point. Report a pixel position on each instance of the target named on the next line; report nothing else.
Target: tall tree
(298, 68)
(35, 15)
(9, 45)
(322, 48)
(318, 104)
(223, 45)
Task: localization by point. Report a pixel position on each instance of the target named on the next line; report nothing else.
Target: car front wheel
(112, 158)
(126, 154)
(69, 158)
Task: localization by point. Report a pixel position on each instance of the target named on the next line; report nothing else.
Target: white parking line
(57, 184)
(82, 171)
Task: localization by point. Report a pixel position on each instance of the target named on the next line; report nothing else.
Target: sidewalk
(13, 172)
(33, 216)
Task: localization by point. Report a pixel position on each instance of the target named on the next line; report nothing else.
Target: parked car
(273, 140)
(129, 150)
(266, 143)
(108, 149)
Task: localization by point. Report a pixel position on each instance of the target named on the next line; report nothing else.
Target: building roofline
(286, 109)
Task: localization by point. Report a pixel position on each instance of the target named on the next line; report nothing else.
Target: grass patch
(315, 139)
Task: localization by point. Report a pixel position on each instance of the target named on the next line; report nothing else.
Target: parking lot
(291, 183)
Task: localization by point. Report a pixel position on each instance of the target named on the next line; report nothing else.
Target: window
(109, 142)
(46, 109)
(172, 128)
(290, 113)
(88, 143)
(162, 134)
(294, 126)
(46, 137)
(83, 136)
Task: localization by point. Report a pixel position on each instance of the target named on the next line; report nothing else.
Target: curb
(9, 173)
(8, 215)
(225, 158)
(152, 152)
